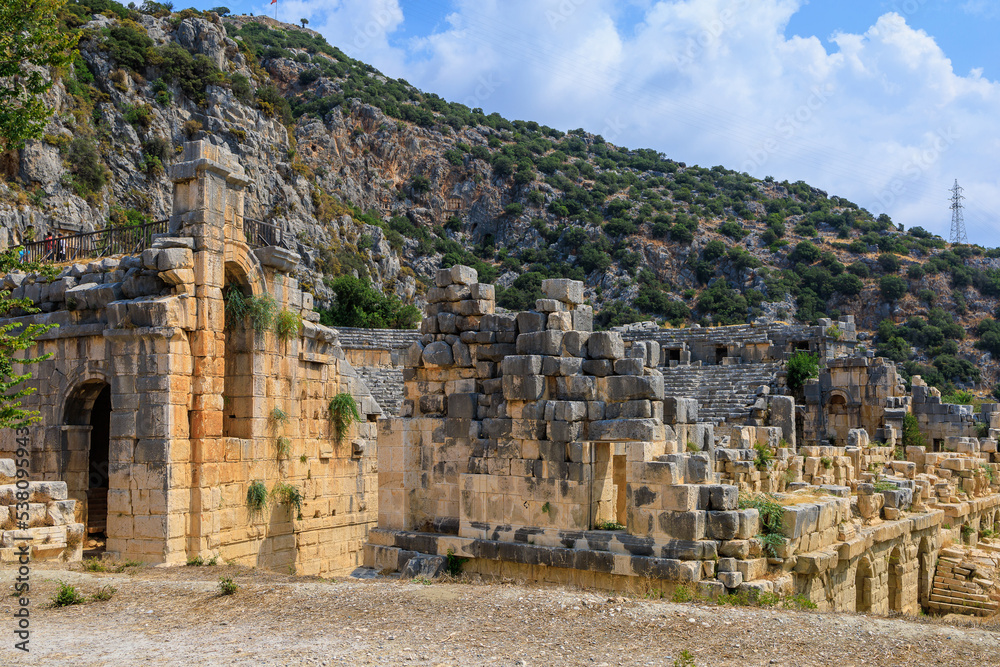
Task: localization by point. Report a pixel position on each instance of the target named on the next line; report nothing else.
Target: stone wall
(196, 409)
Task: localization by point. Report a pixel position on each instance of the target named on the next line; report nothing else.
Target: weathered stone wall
(200, 410)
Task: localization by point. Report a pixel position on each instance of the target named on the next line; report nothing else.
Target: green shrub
(357, 304)
(287, 324)
(227, 586)
(453, 564)
(191, 73)
(89, 175)
(801, 367)
(290, 495)
(256, 500)
(892, 288)
(140, 115)
(66, 596)
(343, 413)
(128, 44)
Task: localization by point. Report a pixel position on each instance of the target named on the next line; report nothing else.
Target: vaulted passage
(85, 456)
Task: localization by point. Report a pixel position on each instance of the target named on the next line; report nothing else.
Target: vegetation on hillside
(653, 238)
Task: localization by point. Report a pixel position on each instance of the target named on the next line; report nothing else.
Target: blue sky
(885, 102)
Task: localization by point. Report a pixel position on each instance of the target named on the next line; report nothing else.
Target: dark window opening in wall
(85, 466)
(237, 393)
(802, 346)
(674, 355)
(938, 444)
(97, 487)
(720, 354)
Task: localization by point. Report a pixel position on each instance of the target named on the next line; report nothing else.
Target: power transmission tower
(957, 220)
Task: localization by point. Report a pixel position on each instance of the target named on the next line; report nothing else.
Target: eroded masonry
(539, 449)
(174, 428)
(177, 424)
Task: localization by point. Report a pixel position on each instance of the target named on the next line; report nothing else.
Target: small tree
(12, 388)
(912, 437)
(31, 40)
(801, 367)
(304, 22)
(892, 288)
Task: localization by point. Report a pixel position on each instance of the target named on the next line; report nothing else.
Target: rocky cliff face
(367, 175)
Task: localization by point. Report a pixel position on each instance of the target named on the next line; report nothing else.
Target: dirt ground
(177, 616)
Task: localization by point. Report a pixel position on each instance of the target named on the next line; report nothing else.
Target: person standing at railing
(50, 246)
(61, 257)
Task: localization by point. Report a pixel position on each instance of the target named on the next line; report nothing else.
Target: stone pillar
(149, 449)
(208, 206)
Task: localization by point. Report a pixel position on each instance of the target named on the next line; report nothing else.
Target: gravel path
(175, 616)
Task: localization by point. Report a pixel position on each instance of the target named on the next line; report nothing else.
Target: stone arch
(237, 393)
(896, 568)
(925, 577)
(85, 453)
(864, 585)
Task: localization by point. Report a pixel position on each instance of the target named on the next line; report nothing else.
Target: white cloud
(879, 117)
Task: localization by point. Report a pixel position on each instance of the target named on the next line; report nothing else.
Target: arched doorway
(237, 394)
(895, 580)
(84, 466)
(863, 586)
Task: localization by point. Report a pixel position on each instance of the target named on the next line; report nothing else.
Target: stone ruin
(539, 449)
(524, 442)
(157, 417)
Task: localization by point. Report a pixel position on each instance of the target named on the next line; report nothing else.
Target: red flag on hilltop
(274, 2)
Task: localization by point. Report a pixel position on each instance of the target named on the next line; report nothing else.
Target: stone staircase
(386, 386)
(724, 393)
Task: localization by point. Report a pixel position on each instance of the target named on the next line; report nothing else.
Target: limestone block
(530, 321)
(150, 259)
(679, 410)
(463, 275)
(723, 497)
(629, 366)
(438, 353)
(457, 292)
(462, 354)
(683, 525)
(523, 387)
(560, 321)
(641, 409)
(483, 291)
(463, 406)
(626, 430)
(783, 417)
(749, 524)
(563, 289)
(177, 276)
(559, 431)
(583, 318)
(598, 367)
(174, 258)
(730, 579)
(549, 306)
(540, 342)
(569, 411)
(606, 345)
(521, 365)
(631, 387)
(575, 343)
(576, 388)
(797, 520)
(722, 525)
(857, 437)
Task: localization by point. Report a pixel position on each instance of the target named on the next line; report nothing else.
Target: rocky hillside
(376, 179)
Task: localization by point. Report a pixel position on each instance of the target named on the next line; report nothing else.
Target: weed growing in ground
(227, 586)
(104, 593)
(67, 595)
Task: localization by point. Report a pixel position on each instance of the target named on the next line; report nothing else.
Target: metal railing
(130, 240)
(262, 234)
